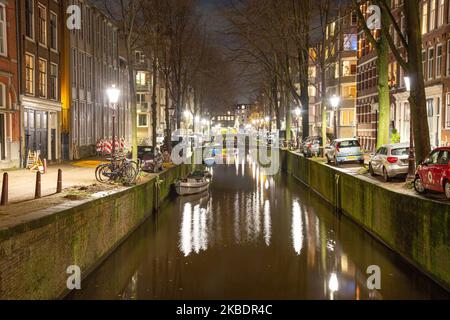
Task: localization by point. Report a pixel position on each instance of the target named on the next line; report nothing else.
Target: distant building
(40, 62)
(92, 64)
(242, 114)
(10, 132)
(224, 119)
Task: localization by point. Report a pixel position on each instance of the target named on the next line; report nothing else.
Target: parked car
(434, 173)
(151, 159)
(311, 146)
(344, 150)
(390, 161)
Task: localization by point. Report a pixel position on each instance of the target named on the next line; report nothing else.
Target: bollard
(45, 165)
(59, 182)
(37, 193)
(4, 200)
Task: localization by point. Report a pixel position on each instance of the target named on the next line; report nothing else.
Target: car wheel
(418, 186)
(336, 162)
(386, 176)
(372, 173)
(447, 189)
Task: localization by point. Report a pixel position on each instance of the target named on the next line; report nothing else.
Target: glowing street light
(335, 101)
(113, 97)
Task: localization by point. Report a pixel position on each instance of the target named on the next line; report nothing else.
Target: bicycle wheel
(103, 173)
(128, 174)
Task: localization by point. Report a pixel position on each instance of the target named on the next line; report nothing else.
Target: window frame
(45, 20)
(33, 73)
(3, 25)
(54, 14)
(27, 20)
(438, 62)
(45, 82)
(55, 79)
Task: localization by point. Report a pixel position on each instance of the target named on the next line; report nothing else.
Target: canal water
(252, 237)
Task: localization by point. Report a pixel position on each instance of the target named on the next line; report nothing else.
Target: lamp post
(411, 158)
(113, 96)
(297, 113)
(334, 101)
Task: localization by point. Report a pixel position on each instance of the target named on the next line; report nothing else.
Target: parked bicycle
(118, 169)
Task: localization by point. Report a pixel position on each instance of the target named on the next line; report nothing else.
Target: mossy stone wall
(416, 228)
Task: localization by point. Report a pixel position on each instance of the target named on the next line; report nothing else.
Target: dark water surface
(252, 237)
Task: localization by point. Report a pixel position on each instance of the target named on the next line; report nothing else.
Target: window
(29, 18)
(42, 78)
(432, 15)
(141, 79)
(29, 73)
(3, 34)
(447, 111)
(354, 19)
(424, 61)
(348, 68)
(311, 90)
(2, 95)
(53, 31)
(425, 18)
(53, 81)
(42, 15)
(438, 60)
(142, 120)
(349, 91)
(441, 6)
(350, 42)
(430, 63)
(74, 67)
(430, 107)
(347, 117)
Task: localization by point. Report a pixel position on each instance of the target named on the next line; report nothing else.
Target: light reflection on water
(251, 237)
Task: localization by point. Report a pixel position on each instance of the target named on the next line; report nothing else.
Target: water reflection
(252, 237)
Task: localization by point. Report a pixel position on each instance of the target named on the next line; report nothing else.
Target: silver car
(390, 161)
(344, 150)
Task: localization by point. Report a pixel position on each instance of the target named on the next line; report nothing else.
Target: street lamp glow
(187, 113)
(113, 94)
(197, 119)
(267, 119)
(204, 122)
(335, 100)
(297, 111)
(333, 284)
(407, 83)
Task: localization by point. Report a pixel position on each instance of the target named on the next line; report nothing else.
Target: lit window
(425, 18)
(142, 120)
(42, 78)
(430, 62)
(29, 74)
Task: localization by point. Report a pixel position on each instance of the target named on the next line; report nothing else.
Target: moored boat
(196, 182)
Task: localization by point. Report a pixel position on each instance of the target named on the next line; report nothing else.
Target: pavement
(22, 182)
(396, 184)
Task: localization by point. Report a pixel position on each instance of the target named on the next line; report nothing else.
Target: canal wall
(34, 255)
(418, 229)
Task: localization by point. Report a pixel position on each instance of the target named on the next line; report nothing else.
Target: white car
(390, 161)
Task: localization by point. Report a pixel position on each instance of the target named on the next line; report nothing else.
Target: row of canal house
(53, 81)
(435, 28)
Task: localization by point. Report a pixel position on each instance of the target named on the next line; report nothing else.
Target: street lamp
(113, 96)
(411, 158)
(298, 113)
(335, 101)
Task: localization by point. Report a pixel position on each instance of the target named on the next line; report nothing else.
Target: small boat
(209, 162)
(196, 182)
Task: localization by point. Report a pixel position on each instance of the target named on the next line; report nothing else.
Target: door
(53, 144)
(439, 169)
(36, 132)
(428, 169)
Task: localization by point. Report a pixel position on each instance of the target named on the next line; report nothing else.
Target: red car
(434, 173)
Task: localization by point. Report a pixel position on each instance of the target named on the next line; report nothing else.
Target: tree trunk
(324, 106)
(417, 98)
(168, 136)
(383, 88)
(154, 102)
(132, 80)
(304, 95)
